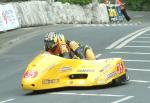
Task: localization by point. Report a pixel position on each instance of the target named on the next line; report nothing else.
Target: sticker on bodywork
(86, 70)
(106, 68)
(110, 75)
(50, 81)
(64, 69)
(120, 68)
(30, 74)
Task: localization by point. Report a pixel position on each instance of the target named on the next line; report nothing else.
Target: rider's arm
(64, 51)
(83, 52)
(76, 49)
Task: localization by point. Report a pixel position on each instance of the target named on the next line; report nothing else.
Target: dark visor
(50, 44)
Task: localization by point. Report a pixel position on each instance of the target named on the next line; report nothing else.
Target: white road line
(131, 24)
(98, 55)
(102, 95)
(141, 41)
(125, 24)
(89, 94)
(8, 100)
(132, 38)
(110, 95)
(107, 25)
(141, 70)
(65, 93)
(84, 94)
(113, 24)
(138, 53)
(144, 37)
(123, 99)
(29, 28)
(136, 46)
(147, 61)
(124, 38)
(139, 81)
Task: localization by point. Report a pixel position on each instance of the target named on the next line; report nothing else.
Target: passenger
(57, 45)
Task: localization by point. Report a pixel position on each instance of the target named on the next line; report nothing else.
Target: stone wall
(34, 13)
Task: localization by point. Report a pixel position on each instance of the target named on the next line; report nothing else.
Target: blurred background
(136, 5)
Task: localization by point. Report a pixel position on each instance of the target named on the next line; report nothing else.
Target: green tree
(80, 2)
(138, 4)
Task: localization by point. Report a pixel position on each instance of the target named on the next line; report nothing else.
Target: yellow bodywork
(48, 71)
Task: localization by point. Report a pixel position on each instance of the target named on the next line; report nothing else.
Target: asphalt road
(130, 42)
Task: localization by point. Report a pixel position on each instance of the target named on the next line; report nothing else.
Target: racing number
(30, 74)
(119, 68)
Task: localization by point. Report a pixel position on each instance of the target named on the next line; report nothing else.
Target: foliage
(132, 4)
(80, 2)
(138, 4)
(12, 0)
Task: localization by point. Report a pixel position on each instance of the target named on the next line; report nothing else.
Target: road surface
(128, 41)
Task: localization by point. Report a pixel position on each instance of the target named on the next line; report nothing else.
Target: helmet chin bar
(53, 48)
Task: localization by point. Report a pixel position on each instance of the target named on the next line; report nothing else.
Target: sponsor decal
(110, 75)
(5, 18)
(86, 70)
(8, 19)
(120, 68)
(87, 66)
(50, 81)
(30, 74)
(65, 69)
(105, 68)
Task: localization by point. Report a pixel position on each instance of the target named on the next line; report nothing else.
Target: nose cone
(29, 80)
(29, 84)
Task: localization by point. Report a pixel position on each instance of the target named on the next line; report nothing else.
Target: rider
(57, 45)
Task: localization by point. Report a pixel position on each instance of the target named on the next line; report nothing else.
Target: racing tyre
(121, 80)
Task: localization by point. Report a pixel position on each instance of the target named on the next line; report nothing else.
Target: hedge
(80, 2)
(138, 4)
(131, 4)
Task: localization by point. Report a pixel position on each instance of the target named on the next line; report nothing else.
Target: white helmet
(52, 39)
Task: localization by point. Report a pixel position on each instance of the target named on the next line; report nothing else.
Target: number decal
(30, 74)
(120, 68)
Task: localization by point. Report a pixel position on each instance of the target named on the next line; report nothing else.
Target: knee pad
(89, 54)
(73, 45)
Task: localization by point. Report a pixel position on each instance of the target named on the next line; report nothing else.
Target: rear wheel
(121, 80)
